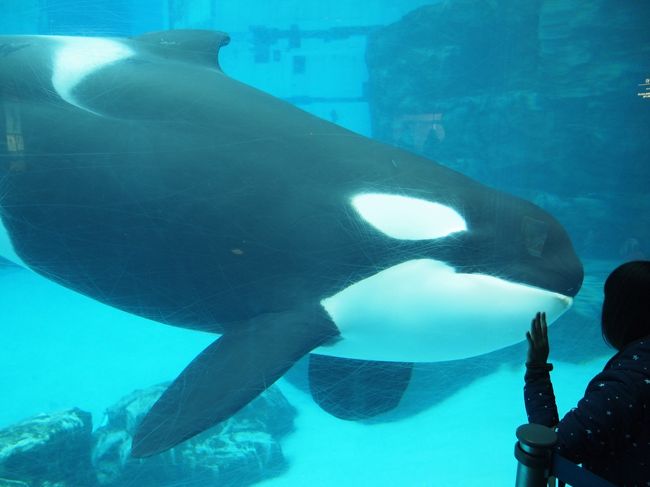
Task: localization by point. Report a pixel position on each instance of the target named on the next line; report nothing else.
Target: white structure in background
(308, 52)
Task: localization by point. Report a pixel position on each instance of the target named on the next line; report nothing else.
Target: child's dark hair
(626, 308)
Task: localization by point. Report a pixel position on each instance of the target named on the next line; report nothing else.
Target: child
(609, 430)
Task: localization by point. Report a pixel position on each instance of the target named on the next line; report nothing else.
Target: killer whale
(136, 172)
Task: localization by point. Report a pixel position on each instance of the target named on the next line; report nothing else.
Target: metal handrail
(538, 464)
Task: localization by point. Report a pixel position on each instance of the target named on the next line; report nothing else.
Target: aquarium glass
(382, 183)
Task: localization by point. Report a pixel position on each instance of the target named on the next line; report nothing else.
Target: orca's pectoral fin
(357, 389)
(228, 374)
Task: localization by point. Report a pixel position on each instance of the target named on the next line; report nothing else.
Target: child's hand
(537, 341)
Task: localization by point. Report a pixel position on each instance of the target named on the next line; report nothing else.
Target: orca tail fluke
(228, 374)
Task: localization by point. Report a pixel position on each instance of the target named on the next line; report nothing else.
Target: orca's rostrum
(136, 172)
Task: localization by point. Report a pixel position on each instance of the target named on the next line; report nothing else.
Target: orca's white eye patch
(76, 58)
(408, 218)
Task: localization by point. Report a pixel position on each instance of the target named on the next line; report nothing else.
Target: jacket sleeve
(539, 398)
(602, 417)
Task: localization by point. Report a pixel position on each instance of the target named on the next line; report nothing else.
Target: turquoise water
(543, 102)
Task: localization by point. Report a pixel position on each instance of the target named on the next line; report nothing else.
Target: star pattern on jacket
(609, 430)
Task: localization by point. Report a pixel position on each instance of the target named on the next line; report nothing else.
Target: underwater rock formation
(47, 450)
(462, 64)
(237, 452)
(60, 449)
(530, 96)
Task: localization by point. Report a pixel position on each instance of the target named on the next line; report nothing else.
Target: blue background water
(60, 349)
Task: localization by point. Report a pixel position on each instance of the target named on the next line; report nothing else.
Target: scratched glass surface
(296, 242)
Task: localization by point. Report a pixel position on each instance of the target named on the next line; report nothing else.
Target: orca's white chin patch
(424, 311)
(408, 218)
(78, 57)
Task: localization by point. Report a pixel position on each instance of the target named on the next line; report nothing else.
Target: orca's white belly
(424, 311)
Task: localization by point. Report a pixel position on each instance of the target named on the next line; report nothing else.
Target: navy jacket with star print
(609, 430)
